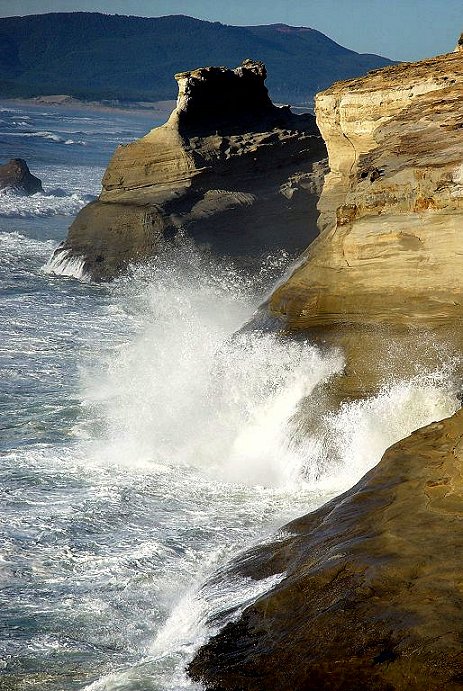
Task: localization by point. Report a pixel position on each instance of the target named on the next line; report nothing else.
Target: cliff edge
(229, 168)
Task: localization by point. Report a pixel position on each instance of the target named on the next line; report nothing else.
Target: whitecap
(48, 136)
(13, 204)
(16, 244)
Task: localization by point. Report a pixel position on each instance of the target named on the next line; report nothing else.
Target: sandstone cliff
(229, 168)
(384, 277)
(372, 594)
(392, 205)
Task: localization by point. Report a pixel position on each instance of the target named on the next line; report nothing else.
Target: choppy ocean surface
(141, 445)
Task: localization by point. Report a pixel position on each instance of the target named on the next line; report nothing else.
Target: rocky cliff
(229, 168)
(371, 596)
(392, 205)
(387, 265)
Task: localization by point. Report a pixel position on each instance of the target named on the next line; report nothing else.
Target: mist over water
(147, 439)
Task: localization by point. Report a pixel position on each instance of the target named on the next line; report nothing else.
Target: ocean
(146, 438)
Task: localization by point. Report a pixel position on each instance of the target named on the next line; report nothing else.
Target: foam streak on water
(145, 442)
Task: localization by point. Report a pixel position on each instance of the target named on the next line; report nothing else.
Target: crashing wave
(53, 203)
(62, 263)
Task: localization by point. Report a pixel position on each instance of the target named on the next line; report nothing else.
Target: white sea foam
(50, 136)
(61, 263)
(232, 397)
(191, 622)
(187, 448)
(55, 202)
(16, 244)
(350, 441)
(236, 398)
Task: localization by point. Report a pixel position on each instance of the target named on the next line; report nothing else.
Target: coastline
(160, 108)
(138, 108)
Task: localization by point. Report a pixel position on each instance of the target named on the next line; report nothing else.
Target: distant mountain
(96, 56)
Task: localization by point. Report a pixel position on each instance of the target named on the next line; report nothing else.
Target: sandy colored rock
(229, 168)
(372, 593)
(391, 211)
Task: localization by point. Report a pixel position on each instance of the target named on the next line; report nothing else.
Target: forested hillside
(97, 56)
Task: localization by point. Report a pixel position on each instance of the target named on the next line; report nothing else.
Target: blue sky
(399, 29)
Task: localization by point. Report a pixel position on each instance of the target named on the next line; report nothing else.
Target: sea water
(146, 438)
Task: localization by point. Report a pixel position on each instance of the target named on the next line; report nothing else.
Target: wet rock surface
(372, 594)
(16, 175)
(229, 168)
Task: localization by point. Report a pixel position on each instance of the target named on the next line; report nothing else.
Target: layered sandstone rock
(371, 596)
(383, 280)
(391, 212)
(229, 168)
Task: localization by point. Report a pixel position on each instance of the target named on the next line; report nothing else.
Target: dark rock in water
(16, 175)
(229, 168)
(213, 99)
(371, 596)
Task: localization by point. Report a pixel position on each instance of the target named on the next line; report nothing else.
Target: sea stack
(229, 168)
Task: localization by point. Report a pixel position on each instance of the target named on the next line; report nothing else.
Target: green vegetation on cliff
(97, 56)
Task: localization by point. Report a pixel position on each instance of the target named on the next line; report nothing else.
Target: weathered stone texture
(372, 594)
(229, 168)
(391, 210)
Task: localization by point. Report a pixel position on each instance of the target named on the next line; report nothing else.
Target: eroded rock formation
(372, 595)
(16, 175)
(384, 277)
(392, 204)
(229, 168)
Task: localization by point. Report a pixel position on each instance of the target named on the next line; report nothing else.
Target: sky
(398, 29)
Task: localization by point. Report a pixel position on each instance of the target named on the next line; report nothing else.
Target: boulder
(371, 593)
(16, 175)
(229, 168)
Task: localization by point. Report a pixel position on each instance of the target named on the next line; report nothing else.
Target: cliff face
(371, 595)
(229, 168)
(391, 248)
